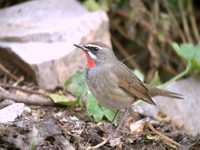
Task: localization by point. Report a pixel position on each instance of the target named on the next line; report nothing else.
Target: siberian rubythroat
(112, 83)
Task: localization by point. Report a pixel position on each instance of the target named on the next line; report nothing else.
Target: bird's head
(97, 53)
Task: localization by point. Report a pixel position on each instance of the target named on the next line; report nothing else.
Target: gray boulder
(37, 37)
(184, 111)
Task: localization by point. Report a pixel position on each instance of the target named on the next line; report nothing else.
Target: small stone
(114, 142)
(11, 112)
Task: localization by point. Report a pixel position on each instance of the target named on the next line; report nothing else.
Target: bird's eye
(95, 49)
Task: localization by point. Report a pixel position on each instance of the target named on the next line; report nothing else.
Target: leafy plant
(91, 5)
(191, 55)
(95, 109)
(156, 80)
(81, 87)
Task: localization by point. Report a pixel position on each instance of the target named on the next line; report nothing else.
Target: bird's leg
(120, 123)
(109, 128)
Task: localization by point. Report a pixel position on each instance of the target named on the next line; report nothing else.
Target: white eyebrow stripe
(91, 45)
(92, 55)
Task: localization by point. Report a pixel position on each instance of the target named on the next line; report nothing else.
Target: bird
(113, 84)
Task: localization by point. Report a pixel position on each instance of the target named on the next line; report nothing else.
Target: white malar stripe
(91, 45)
(91, 55)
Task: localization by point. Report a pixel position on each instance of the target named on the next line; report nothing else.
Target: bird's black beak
(81, 47)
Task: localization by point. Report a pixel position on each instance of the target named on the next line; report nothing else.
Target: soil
(71, 128)
(56, 127)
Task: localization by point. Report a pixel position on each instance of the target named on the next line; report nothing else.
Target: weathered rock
(39, 40)
(184, 111)
(11, 112)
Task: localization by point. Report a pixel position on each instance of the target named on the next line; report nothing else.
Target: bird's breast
(103, 85)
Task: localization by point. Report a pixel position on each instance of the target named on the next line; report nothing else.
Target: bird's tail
(154, 91)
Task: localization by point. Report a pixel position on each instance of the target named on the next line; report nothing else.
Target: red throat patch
(90, 62)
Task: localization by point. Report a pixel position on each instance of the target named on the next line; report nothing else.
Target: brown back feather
(130, 83)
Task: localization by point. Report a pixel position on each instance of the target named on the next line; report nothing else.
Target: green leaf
(110, 114)
(69, 82)
(190, 54)
(61, 99)
(156, 80)
(132, 14)
(33, 144)
(105, 5)
(95, 109)
(91, 5)
(80, 85)
(138, 74)
(121, 4)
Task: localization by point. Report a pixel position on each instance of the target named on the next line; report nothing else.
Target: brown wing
(131, 84)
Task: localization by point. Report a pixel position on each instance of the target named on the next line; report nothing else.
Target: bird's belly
(109, 94)
(115, 100)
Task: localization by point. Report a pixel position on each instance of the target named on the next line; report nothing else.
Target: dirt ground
(44, 125)
(71, 128)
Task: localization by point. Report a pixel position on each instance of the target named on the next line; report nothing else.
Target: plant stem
(138, 102)
(175, 78)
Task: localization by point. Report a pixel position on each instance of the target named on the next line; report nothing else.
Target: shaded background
(143, 31)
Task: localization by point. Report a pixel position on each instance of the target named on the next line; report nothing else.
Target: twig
(31, 100)
(19, 81)
(120, 30)
(174, 58)
(175, 22)
(156, 11)
(191, 145)
(169, 69)
(122, 13)
(125, 54)
(8, 72)
(169, 41)
(3, 90)
(139, 20)
(137, 133)
(128, 58)
(193, 21)
(100, 144)
(185, 23)
(175, 78)
(163, 136)
(21, 89)
(147, 132)
(154, 61)
(154, 54)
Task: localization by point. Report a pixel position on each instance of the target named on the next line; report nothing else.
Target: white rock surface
(9, 113)
(184, 111)
(42, 34)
